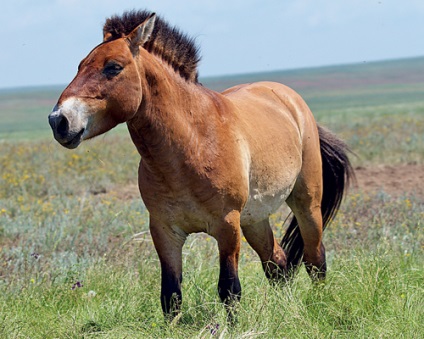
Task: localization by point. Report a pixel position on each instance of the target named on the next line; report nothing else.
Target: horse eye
(112, 69)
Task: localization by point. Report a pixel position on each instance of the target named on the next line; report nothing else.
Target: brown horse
(219, 163)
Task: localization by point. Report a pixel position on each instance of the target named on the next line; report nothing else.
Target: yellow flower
(106, 202)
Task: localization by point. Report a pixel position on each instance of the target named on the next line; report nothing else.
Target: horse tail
(337, 173)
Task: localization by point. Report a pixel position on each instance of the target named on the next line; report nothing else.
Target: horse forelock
(168, 42)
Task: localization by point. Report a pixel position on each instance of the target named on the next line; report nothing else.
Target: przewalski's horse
(219, 163)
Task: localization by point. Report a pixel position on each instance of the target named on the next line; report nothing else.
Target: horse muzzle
(67, 130)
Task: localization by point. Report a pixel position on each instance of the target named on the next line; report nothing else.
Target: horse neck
(175, 116)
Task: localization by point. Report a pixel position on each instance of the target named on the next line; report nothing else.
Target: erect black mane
(167, 42)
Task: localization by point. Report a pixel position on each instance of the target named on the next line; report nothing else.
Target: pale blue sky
(43, 41)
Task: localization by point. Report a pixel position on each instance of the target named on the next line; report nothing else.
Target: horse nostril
(62, 125)
(59, 124)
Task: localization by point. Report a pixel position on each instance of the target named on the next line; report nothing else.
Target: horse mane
(167, 42)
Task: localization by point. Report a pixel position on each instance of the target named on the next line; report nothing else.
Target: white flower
(91, 294)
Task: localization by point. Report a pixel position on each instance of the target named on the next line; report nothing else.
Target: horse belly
(264, 201)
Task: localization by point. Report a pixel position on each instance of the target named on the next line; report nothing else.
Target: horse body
(270, 124)
(254, 137)
(219, 163)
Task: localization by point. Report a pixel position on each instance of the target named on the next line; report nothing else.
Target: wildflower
(78, 284)
(213, 329)
(106, 202)
(35, 255)
(91, 294)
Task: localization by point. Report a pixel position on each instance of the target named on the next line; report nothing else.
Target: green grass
(374, 287)
(71, 268)
(24, 112)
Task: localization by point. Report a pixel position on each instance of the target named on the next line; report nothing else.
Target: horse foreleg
(228, 236)
(169, 248)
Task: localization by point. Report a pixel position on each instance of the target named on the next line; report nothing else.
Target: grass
(53, 257)
(70, 266)
(24, 112)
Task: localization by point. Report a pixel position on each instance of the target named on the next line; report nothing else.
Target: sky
(43, 41)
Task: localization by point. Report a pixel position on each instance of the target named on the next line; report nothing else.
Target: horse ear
(141, 34)
(107, 36)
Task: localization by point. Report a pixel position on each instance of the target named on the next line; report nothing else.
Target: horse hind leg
(305, 202)
(261, 238)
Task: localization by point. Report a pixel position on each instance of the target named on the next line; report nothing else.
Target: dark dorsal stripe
(167, 42)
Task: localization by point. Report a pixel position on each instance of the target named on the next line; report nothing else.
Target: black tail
(337, 173)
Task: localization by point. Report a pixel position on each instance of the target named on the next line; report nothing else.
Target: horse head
(106, 91)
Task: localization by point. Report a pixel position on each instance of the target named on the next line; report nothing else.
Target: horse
(219, 163)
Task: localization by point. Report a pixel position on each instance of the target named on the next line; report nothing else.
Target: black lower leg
(229, 288)
(171, 296)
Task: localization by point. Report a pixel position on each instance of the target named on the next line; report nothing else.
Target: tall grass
(70, 267)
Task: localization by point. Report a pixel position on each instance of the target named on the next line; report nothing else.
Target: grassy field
(71, 267)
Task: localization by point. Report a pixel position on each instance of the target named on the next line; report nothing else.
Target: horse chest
(185, 214)
(183, 205)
